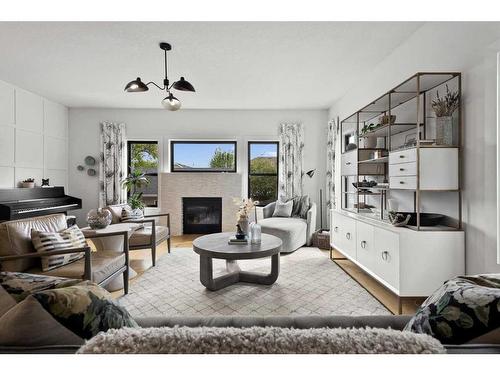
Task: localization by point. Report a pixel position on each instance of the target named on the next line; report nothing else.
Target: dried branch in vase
(245, 206)
(445, 106)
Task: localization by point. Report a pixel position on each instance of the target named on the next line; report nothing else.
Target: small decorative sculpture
(45, 182)
(397, 219)
(240, 235)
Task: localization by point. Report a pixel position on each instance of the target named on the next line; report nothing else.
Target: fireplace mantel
(175, 186)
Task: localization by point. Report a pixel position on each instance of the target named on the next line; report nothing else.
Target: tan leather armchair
(148, 237)
(17, 253)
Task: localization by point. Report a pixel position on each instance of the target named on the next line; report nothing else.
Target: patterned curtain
(291, 136)
(111, 168)
(331, 142)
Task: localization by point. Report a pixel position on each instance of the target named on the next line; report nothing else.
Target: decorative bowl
(98, 218)
(384, 120)
(426, 219)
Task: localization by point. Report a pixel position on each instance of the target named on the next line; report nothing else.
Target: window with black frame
(203, 156)
(263, 168)
(143, 157)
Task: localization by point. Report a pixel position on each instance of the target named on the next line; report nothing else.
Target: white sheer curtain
(112, 168)
(291, 136)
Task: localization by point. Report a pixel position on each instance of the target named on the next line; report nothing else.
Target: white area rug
(309, 284)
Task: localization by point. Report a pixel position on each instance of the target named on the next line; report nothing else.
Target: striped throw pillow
(45, 242)
(129, 214)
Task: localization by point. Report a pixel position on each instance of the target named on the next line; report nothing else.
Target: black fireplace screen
(201, 215)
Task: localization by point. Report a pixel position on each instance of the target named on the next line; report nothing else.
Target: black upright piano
(22, 203)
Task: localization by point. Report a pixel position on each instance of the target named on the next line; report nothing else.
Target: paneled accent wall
(33, 138)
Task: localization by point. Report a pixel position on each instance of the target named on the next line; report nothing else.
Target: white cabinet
(403, 182)
(343, 234)
(437, 169)
(404, 156)
(386, 260)
(409, 263)
(403, 169)
(365, 249)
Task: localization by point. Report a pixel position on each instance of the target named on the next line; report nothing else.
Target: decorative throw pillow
(462, 309)
(71, 237)
(296, 205)
(28, 324)
(301, 205)
(283, 209)
(6, 301)
(305, 204)
(85, 309)
(129, 214)
(20, 285)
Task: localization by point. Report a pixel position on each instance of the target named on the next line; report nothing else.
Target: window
(203, 156)
(142, 156)
(263, 171)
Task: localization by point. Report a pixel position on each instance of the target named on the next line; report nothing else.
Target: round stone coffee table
(216, 246)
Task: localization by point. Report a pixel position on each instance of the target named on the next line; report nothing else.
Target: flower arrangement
(245, 207)
(445, 106)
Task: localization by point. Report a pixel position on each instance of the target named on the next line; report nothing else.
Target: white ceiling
(236, 65)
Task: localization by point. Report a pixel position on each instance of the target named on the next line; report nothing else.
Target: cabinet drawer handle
(347, 163)
(363, 244)
(385, 255)
(401, 169)
(401, 156)
(336, 229)
(348, 235)
(401, 182)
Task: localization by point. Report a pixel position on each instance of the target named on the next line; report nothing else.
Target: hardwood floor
(386, 297)
(140, 261)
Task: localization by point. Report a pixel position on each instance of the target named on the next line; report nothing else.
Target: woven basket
(321, 239)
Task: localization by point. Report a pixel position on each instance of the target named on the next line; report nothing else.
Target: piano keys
(21, 203)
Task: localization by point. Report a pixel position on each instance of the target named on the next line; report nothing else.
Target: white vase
(380, 142)
(370, 142)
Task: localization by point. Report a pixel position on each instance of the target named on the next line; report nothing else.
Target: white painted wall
(470, 49)
(33, 138)
(162, 125)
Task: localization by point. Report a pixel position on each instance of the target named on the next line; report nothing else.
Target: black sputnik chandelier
(170, 102)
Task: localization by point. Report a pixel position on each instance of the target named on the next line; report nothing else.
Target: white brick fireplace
(175, 186)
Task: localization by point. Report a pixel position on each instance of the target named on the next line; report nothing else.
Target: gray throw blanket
(260, 340)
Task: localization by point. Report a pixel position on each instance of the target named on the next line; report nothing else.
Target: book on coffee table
(235, 241)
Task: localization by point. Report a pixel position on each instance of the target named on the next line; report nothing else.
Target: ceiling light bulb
(171, 103)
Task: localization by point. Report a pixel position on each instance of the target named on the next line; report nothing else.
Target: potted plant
(132, 183)
(443, 108)
(28, 183)
(369, 142)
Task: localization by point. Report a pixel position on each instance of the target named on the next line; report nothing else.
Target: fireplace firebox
(201, 215)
